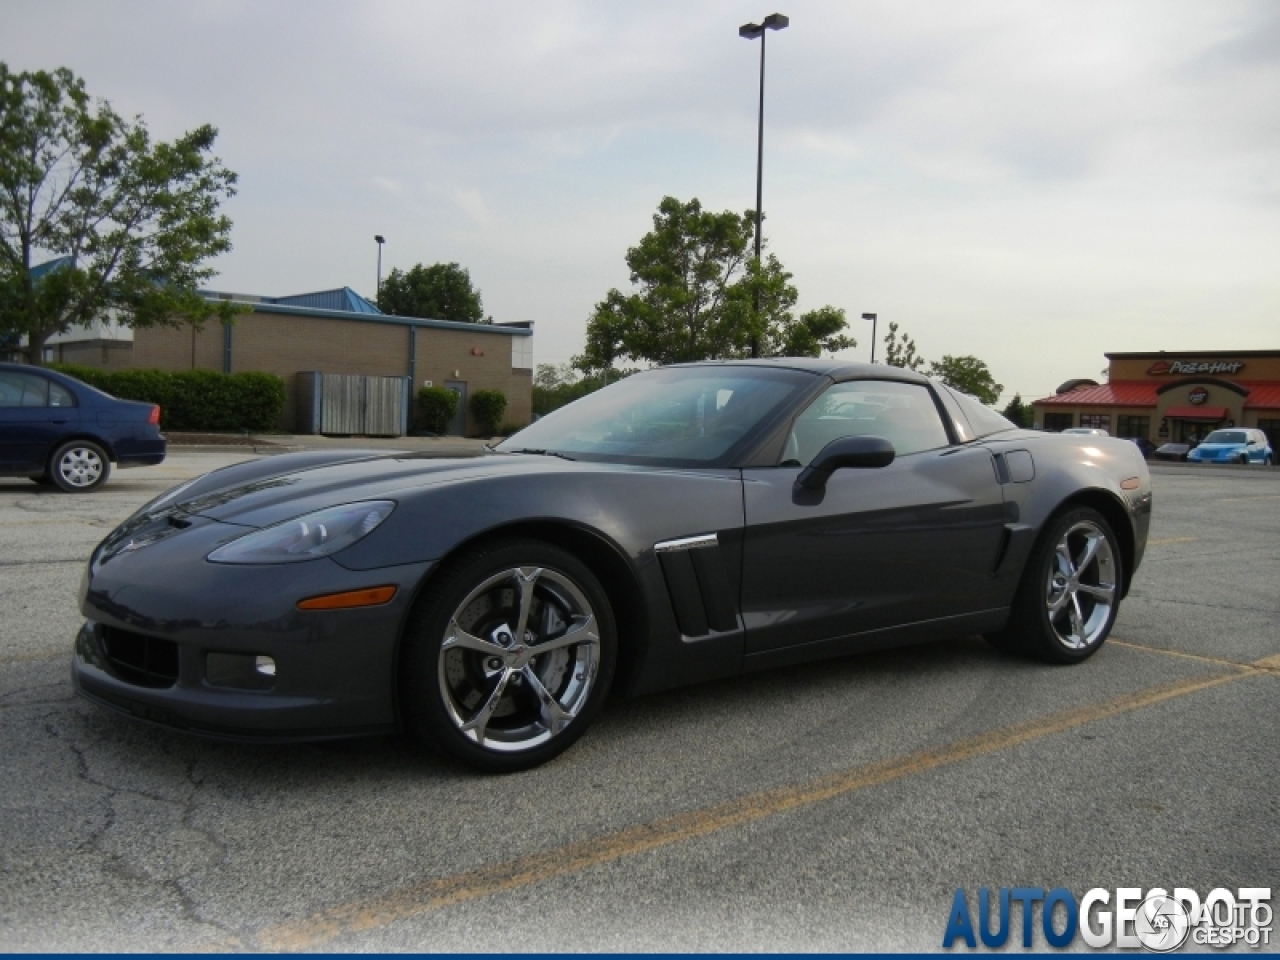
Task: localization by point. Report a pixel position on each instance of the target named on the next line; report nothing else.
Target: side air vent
(701, 597)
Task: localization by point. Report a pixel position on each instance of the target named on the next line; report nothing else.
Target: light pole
(872, 318)
(749, 31)
(379, 239)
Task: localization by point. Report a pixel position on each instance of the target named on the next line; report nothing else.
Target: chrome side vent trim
(687, 543)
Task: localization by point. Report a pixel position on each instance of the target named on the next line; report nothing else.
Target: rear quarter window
(983, 421)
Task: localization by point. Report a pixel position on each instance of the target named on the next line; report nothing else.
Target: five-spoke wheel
(1070, 591)
(510, 654)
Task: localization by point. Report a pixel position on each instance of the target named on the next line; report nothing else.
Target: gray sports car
(684, 524)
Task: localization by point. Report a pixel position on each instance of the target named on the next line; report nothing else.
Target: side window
(902, 413)
(23, 390)
(60, 396)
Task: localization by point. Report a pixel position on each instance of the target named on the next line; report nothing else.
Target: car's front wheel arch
(606, 561)
(1116, 515)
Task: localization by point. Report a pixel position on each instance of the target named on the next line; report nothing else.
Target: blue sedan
(1233, 446)
(59, 431)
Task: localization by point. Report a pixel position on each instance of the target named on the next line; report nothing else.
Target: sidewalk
(292, 443)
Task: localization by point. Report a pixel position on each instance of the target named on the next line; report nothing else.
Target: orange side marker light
(1133, 483)
(368, 597)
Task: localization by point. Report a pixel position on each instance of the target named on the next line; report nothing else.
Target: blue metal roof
(40, 269)
(343, 298)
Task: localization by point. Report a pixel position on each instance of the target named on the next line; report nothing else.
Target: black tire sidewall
(1030, 620)
(55, 475)
(422, 706)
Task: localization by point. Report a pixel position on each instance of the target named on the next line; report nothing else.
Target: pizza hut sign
(1164, 367)
(1198, 396)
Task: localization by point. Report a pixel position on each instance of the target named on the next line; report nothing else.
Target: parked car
(1242, 446)
(1173, 451)
(60, 431)
(1090, 431)
(684, 524)
(1143, 444)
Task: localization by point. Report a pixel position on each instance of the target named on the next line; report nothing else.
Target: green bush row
(194, 399)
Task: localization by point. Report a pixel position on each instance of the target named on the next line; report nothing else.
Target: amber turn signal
(1133, 483)
(369, 597)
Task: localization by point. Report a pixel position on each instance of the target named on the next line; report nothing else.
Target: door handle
(58, 421)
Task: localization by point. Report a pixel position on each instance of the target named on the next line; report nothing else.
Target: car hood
(265, 501)
(1220, 447)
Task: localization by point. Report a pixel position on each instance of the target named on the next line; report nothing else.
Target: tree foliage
(442, 291)
(1018, 412)
(900, 350)
(968, 375)
(554, 386)
(129, 222)
(695, 287)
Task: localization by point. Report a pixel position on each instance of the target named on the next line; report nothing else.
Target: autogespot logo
(1157, 921)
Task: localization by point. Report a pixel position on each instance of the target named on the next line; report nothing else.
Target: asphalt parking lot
(832, 807)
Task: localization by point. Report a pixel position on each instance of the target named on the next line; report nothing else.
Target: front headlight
(307, 537)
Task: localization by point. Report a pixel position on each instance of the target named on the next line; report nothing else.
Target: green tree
(1018, 412)
(127, 223)
(695, 285)
(442, 291)
(436, 408)
(968, 375)
(488, 406)
(900, 350)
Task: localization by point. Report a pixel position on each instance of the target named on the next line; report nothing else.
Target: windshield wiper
(545, 453)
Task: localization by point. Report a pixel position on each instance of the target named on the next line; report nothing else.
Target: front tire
(79, 466)
(508, 656)
(1067, 601)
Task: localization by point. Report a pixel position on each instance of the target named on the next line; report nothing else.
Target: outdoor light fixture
(872, 318)
(749, 31)
(379, 239)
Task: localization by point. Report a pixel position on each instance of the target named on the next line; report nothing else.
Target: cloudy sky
(1032, 183)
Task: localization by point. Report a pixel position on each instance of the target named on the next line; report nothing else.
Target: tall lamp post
(872, 318)
(749, 31)
(379, 239)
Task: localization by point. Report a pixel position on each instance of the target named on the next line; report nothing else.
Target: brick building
(1172, 396)
(332, 331)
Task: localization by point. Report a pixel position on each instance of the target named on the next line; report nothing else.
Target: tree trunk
(35, 347)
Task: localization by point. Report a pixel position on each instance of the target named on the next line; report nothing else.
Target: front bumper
(334, 671)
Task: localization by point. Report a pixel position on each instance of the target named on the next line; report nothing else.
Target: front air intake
(140, 660)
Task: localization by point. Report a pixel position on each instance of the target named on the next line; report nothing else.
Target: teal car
(1233, 446)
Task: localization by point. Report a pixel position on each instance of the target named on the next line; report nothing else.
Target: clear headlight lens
(307, 537)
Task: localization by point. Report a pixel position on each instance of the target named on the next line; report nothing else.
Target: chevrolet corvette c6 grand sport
(684, 524)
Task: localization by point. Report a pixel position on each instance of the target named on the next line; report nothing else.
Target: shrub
(194, 399)
(436, 407)
(488, 406)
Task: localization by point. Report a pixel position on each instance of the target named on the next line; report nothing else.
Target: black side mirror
(858, 452)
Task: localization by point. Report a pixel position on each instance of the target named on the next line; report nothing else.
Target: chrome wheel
(1081, 590)
(519, 659)
(80, 467)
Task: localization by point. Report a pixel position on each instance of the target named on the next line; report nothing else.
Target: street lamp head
(749, 31)
(379, 238)
(776, 21)
(868, 316)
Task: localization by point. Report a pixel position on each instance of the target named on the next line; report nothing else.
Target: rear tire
(1069, 595)
(79, 467)
(474, 688)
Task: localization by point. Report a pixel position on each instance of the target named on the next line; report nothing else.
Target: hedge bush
(436, 407)
(194, 399)
(488, 406)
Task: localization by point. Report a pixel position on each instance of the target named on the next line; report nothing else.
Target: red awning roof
(1119, 393)
(1265, 396)
(1210, 414)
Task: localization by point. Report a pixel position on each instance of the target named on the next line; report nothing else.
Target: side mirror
(858, 452)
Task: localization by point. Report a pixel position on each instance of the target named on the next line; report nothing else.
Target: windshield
(677, 416)
(1226, 436)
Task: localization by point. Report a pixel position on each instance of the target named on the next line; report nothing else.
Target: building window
(1097, 421)
(1059, 421)
(1271, 427)
(1133, 426)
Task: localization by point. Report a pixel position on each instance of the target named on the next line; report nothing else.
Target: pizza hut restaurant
(1175, 397)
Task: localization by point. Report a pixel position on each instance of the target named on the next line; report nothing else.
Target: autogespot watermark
(1158, 921)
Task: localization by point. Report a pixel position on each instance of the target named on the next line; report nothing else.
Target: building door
(458, 425)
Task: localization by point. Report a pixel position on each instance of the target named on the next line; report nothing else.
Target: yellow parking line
(1153, 543)
(323, 927)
